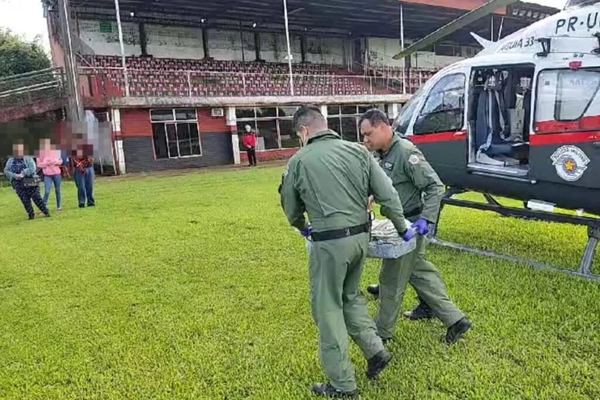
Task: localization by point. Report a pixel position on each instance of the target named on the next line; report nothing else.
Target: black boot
(422, 311)
(326, 390)
(377, 363)
(373, 289)
(456, 331)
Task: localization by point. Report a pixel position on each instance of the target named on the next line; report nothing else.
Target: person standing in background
(83, 172)
(249, 140)
(50, 161)
(21, 172)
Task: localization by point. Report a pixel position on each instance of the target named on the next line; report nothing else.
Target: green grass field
(195, 287)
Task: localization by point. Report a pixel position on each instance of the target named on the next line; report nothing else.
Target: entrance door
(439, 127)
(565, 145)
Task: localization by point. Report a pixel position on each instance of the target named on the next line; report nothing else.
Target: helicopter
(519, 120)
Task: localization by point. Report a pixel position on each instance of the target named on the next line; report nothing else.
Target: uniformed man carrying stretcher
(420, 191)
(331, 179)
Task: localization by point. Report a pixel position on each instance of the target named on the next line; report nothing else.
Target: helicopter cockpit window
(402, 121)
(444, 108)
(567, 100)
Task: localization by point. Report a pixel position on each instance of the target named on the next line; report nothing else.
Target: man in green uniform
(331, 179)
(420, 191)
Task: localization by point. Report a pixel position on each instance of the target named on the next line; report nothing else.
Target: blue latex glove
(421, 226)
(410, 233)
(307, 232)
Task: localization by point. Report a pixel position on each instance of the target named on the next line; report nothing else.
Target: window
(344, 120)
(273, 127)
(175, 133)
(566, 99)
(444, 107)
(403, 119)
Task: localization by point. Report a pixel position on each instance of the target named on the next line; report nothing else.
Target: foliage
(18, 56)
(195, 287)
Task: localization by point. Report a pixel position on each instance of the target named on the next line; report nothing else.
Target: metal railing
(25, 89)
(110, 81)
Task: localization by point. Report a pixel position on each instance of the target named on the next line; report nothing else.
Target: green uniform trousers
(412, 268)
(339, 308)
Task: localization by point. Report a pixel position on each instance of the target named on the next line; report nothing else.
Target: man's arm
(425, 178)
(290, 198)
(380, 185)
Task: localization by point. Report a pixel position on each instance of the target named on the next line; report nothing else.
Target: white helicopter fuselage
(536, 94)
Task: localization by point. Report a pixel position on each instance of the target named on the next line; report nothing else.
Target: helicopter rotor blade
(458, 23)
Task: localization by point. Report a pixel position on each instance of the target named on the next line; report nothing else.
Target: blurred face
(378, 137)
(18, 150)
(248, 128)
(45, 144)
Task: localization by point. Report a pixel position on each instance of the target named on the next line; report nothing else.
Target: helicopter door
(438, 129)
(565, 146)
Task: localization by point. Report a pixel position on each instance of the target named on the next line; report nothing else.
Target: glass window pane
(196, 149)
(195, 139)
(160, 141)
(183, 132)
(333, 110)
(266, 112)
(171, 133)
(194, 133)
(287, 111)
(289, 139)
(267, 135)
(173, 150)
(348, 110)
(334, 124)
(161, 115)
(185, 114)
(244, 112)
(576, 89)
(349, 129)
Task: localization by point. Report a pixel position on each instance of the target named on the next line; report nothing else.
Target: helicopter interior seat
(492, 128)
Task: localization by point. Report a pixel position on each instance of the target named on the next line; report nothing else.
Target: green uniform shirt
(417, 184)
(331, 179)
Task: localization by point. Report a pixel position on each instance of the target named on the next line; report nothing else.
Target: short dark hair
(375, 117)
(307, 116)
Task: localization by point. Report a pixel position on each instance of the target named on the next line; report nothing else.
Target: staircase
(31, 93)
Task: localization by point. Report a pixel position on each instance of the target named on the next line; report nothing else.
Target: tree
(18, 56)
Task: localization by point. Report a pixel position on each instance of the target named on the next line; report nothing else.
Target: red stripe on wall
(135, 123)
(564, 138)
(439, 137)
(210, 124)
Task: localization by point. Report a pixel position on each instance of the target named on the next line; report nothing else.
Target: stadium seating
(150, 77)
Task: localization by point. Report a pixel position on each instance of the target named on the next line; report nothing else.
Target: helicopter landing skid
(593, 225)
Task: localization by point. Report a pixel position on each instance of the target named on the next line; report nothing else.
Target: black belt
(340, 233)
(413, 213)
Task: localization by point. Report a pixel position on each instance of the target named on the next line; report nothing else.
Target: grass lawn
(195, 287)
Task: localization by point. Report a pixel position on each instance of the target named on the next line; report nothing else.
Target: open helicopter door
(565, 142)
(438, 125)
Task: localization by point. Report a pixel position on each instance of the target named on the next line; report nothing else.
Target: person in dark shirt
(83, 172)
(21, 172)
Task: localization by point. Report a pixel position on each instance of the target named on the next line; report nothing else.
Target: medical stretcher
(385, 241)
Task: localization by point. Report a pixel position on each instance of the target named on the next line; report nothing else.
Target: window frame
(174, 121)
(430, 93)
(555, 116)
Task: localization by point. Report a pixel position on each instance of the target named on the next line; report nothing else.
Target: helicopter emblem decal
(570, 162)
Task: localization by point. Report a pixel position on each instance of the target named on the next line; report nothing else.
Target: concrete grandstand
(179, 79)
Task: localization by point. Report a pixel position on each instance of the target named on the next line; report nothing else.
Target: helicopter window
(403, 119)
(576, 89)
(444, 108)
(568, 97)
